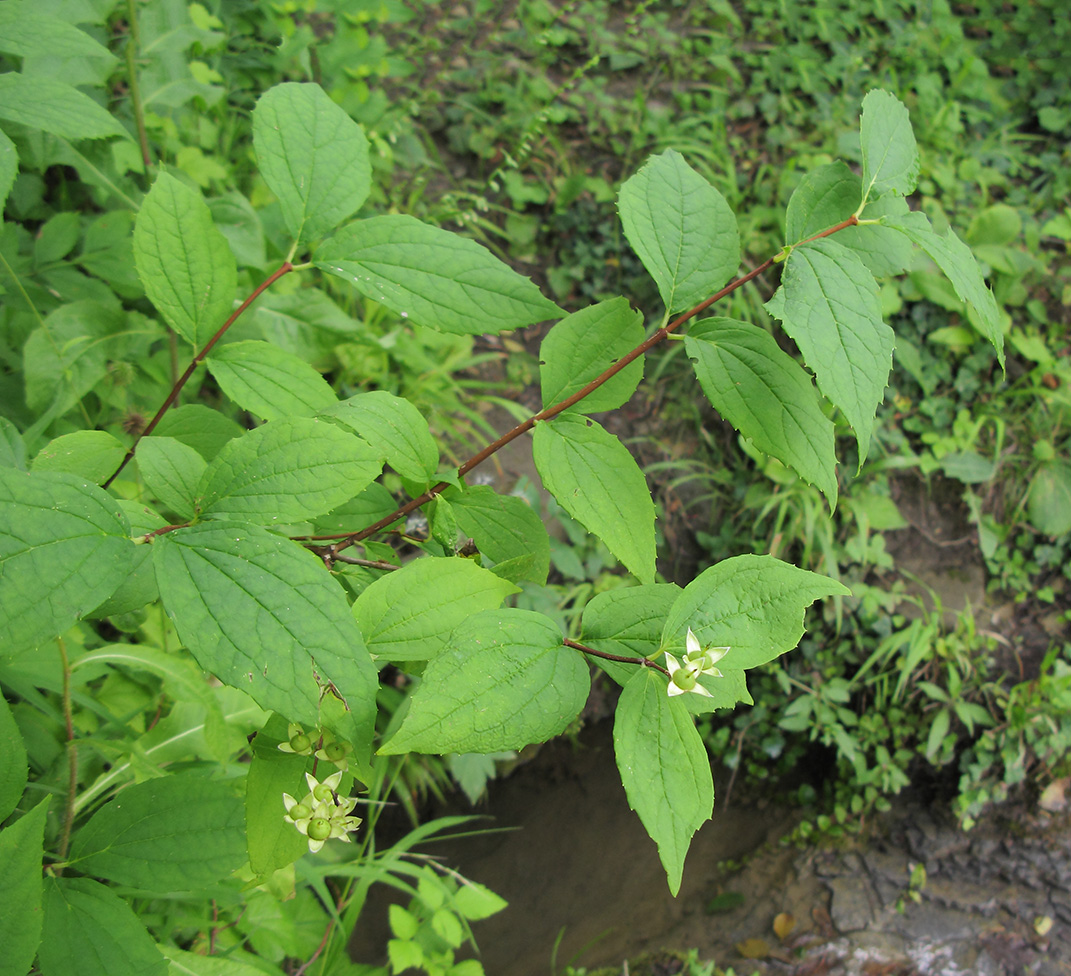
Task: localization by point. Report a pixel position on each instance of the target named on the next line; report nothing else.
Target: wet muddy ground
(585, 886)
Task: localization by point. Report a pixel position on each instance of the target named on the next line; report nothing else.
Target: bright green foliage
(411, 614)
(433, 277)
(664, 768)
(64, 548)
(184, 262)
(594, 478)
(740, 367)
(21, 857)
(313, 156)
(256, 555)
(88, 922)
(682, 229)
(828, 303)
(505, 681)
(268, 382)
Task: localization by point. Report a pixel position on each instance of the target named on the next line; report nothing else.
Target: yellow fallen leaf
(753, 948)
(783, 924)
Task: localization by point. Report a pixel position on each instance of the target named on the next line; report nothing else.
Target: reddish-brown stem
(645, 662)
(329, 552)
(194, 363)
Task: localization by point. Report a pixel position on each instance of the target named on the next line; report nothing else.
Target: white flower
(685, 677)
(322, 814)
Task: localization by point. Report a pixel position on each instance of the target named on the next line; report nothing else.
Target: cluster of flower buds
(322, 813)
(697, 660)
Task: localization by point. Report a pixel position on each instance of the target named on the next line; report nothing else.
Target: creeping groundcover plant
(270, 550)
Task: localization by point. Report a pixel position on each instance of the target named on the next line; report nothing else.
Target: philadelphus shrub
(269, 549)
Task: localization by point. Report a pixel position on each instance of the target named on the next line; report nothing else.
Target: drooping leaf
(268, 382)
(12, 447)
(957, 263)
(64, 547)
(13, 769)
(193, 964)
(506, 529)
(752, 604)
(627, 622)
(890, 156)
(828, 302)
(682, 229)
(506, 680)
(584, 345)
(409, 614)
(766, 396)
(174, 833)
(433, 277)
(286, 471)
(53, 106)
(21, 857)
(93, 932)
(394, 428)
(264, 615)
(172, 472)
(271, 841)
(595, 479)
(90, 454)
(313, 156)
(185, 264)
(664, 768)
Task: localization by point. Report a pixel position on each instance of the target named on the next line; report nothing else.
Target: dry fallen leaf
(753, 948)
(783, 925)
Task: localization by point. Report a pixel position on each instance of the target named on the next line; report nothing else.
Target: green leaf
(682, 229)
(68, 355)
(185, 264)
(90, 454)
(172, 472)
(313, 156)
(1048, 503)
(766, 396)
(26, 31)
(269, 383)
(584, 345)
(9, 168)
(64, 548)
(262, 614)
(505, 681)
(271, 841)
(395, 428)
(828, 302)
(193, 964)
(409, 614)
(664, 768)
(999, 224)
(595, 479)
(752, 604)
(506, 529)
(176, 833)
(139, 587)
(433, 277)
(628, 622)
(21, 857)
(287, 471)
(13, 769)
(200, 427)
(93, 932)
(365, 509)
(54, 106)
(890, 157)
(12, 448)
(957, 263)
(830, 194)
